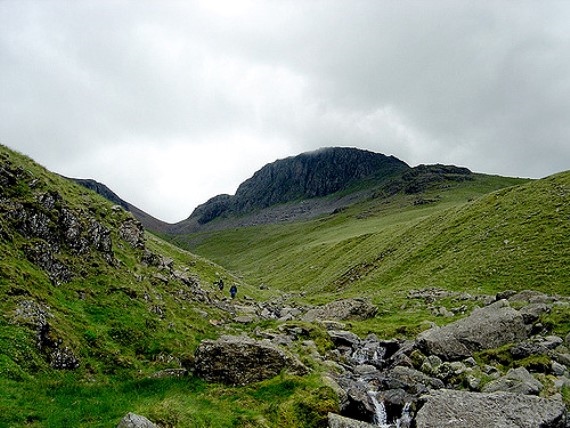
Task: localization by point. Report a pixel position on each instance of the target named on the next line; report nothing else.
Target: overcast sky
(170, 103)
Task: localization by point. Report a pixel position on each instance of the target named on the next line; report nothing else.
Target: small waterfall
(369, 354)
(406, 419)
(380, 415)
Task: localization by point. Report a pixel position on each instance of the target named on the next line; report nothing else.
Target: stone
(344, 338)
(486, 328)
(240, 360)
(531, 296)
(131, 231)
(345, 309)
(552, 342)
(132, 420)
(410, 380)
(170, 373)
(517, 381)
(557, 369)
(462, 409)
(531, 313)
(338, 421)
(244, 319)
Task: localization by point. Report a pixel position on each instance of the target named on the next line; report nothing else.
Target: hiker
(233, 291)
(221, 284)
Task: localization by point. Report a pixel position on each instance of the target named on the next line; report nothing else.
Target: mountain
(313, 184)
(306, 176)
(487, 234)
(148, 221)
(299, 188)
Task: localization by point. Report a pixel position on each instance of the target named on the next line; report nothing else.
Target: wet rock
(410, 380)
(338, 421)
(132, 420)
(239, 360)
(489, 327)
(347, 309)
(63, 358)
(344, 338)
(374, 352)
(461, 409)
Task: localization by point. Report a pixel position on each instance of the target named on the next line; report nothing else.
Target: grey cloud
(482, 84)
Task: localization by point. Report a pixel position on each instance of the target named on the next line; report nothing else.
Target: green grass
(66, 400)
(124, 324)
(475, 239)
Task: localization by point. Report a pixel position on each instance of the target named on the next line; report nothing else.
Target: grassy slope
(471, 240)
(117, 335)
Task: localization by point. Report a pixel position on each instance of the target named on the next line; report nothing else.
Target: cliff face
(306, 176)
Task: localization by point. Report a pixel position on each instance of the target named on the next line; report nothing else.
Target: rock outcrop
(486, 328)
(461, 409)
(39, 318)
(305, 176)
(239, 360)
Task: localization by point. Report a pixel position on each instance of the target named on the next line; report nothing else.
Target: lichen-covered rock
(486, 328)
(240, 360)
(346, 309)
(461, 409)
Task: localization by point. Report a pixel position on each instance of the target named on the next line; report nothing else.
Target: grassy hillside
(468, 237)
(91, 310)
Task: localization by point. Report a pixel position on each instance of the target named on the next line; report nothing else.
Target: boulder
(337, 421)
(486, 328)
(346, 309)
(517, 381)
(344, 338)
(461, 409)
(132, 420)
(240, 360)
(410, 380)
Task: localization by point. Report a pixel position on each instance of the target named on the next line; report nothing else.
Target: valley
(346, 301)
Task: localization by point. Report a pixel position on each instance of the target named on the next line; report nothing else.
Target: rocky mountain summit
(302, 187)
(315, 183)
(306, 176)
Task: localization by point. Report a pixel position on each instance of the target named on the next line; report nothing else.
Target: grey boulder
(240, 360)
(132, 420)
(490, 327)
(461, 409)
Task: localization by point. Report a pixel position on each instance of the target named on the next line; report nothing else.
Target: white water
(406, 417)
(380, 415)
